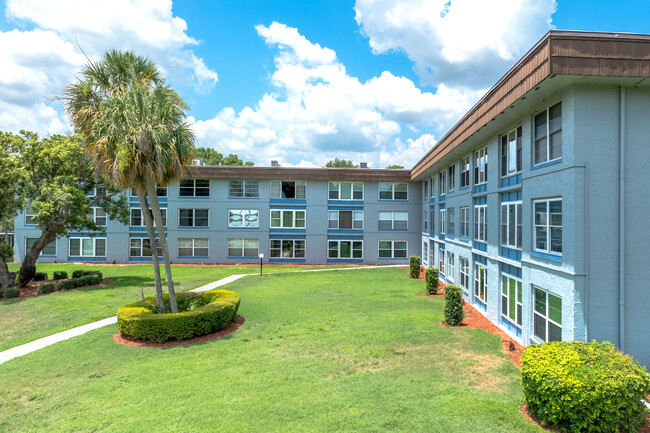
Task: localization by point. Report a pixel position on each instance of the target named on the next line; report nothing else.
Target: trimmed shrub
(584, 387)
(414, 266)
(60, 275)
(454, 312)
(7, 252)
(431, 277)
(78, 282)
(200, 314)
(40, 276)
(91, 280)
(81, 273)
(12, 292)
(66, 284)
(45, 288)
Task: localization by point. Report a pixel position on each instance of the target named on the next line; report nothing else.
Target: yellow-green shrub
(199, 314)
(584, 387)
(431, 277)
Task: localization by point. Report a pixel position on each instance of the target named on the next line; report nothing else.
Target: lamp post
(261, 262)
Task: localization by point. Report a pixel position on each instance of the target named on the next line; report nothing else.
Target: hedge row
(81, 273)
(199, 314)
(584, 387)
(73, 283)
(60, 275)
(45, 288)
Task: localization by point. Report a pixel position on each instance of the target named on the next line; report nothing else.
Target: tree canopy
(212, 157)
(394, 167)
(341, 163)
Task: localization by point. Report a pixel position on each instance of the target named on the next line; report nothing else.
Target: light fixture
(261, 262)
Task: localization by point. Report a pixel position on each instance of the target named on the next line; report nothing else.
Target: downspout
(621, 219)
(587, 252)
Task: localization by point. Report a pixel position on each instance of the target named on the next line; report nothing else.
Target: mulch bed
(232, 327)
(29, 291)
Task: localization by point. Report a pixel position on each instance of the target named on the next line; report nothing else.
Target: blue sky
(302, 82)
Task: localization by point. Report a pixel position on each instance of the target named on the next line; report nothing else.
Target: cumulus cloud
(462, 43)
(317, 111)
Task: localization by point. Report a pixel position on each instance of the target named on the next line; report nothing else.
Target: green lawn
(24, 320)
(334, 351)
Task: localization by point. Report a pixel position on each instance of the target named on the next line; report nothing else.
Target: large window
(480, 223)
(464, 273)
(287, 249)
(442, 263)
(392, 249)
(29, 217)
(345, 191)
(87, 247)
(426, 189)
(393, 220)
(98, 215)
(548, 226)
(547, 322)
(480, 282)
(480, 166)
(243, 247)
(451, 178)
(393, 191)
(432, 191)
(288, 189)
(451, 221)
(193, 217)
(511, 295)
(432, 222)
(345, 249)
(425, 252)
(511, 152)
(287, 219)
(464, 222)
(244, 189)
(141, 247)
(49, 250)
(511, 224)
(451, 266)
(465, 166)
(442, 182)
(345, 219)
(442, 221)
(425, 221)
(138, 221)
(243, 218)
(195, 188)
(192, 247)
(548, 135)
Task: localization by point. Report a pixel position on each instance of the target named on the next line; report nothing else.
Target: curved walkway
(32, 346)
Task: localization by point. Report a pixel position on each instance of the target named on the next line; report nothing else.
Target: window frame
(464, 222)
(193, 225)
(393, 220)
(481, 166)
(547, 226)
(29, 216)
(451, 221)
(242, 248)
(339, 190)
(393, 191)
(94, 216)
(161, 191)
(506, 224)
(480, 219)
(465, 162)
(442, 183)
(254, 185)
(477, 281)
(451, 266)
(163, 214)
(546, 316)
(294, 249)
(546, 112)
(505, 149)
(506, 304)
(442, 263)
(81, 246)
(194, 188)
(451, 178)
(294, 219)
(296, 184)
(464, 273)
(338, 248)
(442, 221)
(392, 249)
(244, 218)
(141, 247)
(194, 247)
(42, 253)
(354, 213)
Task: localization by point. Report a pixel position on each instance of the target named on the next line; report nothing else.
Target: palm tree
(134, 126)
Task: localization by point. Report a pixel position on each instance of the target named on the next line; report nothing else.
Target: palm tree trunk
(155, 210)
(144, 211)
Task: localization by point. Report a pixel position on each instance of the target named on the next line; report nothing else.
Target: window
(451, 269)
(98, 215)
(243, 218)
(392, 249)
(287, 249)
(548, 135)
(243, 247)
(432, 225)
(87, 247)
(288, 189)
(345, 249)
(442, 221)
(138, 221)
(442, 183)
(192, 247)
(393, 191)
(345, 219)
(29, 216)
(451, 178)
(432, 191)
(480, 166)
(99, 190)
(548, 224)
(193, 217)
(425, 252)
(547, 322)
(464, 221)
(345, 191)
(426, 189)
(451, 224)
(441, 257)
(161, 191)
(480, 282)
(49, 250)
(511, 152)
(465, 166)
(287, 219)
(244, 189)
(464, 273)
(141, 247)
(480, 223)
(511, 224)
(511, 294)
(195, 188)
(393, 220)
(425, 221)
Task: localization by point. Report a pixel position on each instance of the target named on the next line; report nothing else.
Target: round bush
(60, 275)
(40, 276)
(12, 292)
(45, 288)
(584, 387)
(199, 314)
(66, 285)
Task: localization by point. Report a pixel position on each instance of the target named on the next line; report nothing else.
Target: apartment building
(536, 202)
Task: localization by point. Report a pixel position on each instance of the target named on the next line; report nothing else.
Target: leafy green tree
(341, 163)
(394, 167)
(212, 157)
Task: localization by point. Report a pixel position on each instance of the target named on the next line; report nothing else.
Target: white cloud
(317, 111)
(467, 43)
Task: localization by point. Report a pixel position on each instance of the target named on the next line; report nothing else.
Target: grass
(24, 320)
(339, 351)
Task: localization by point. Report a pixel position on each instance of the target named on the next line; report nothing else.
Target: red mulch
(29, 291)
(232, 327)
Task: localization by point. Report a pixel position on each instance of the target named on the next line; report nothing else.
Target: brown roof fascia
(298, 173)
